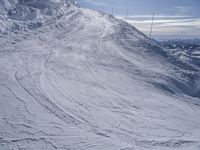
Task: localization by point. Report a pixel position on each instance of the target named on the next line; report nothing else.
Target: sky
(173, 18)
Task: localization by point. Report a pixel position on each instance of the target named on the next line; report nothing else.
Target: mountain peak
(32, 9)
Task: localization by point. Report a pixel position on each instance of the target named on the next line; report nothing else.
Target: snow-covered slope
(85, 80)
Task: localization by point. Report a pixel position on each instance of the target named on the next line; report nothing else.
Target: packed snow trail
(85, 80)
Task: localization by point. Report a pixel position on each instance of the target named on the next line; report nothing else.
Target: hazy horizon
(173, 19)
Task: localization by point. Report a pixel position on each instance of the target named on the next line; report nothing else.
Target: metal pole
(126, 17)
(152, 25)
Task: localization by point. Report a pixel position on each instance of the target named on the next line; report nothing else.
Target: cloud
(93, 2)
(167, 26)
(157, 16)
(182, 10)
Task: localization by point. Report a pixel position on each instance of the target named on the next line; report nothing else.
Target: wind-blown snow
(85, 80)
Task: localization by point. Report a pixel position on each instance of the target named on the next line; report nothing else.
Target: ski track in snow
(86, 80)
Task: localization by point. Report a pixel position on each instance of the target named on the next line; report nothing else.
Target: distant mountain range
(186, 49)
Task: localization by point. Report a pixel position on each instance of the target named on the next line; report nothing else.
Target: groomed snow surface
(84, 80)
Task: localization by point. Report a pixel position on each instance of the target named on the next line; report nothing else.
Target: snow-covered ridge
(22, 14)
(29, 8)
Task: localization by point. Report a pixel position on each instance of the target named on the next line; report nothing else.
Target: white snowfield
(84, 80)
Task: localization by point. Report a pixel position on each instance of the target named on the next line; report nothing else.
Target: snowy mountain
(81, 79)
(30, 14)
(187, 49)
